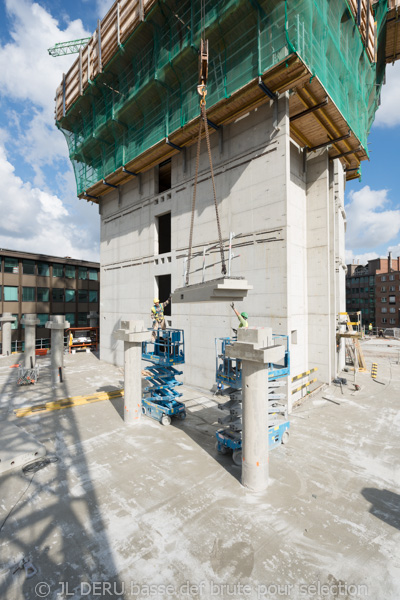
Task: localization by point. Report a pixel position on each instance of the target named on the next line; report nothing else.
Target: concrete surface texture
(287, 212)
(125, 509)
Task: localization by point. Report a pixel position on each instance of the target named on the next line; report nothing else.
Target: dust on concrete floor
(153, 505)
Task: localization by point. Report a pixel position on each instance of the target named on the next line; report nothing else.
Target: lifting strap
(202, 90)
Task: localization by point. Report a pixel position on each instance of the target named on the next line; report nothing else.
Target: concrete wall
(264, 195)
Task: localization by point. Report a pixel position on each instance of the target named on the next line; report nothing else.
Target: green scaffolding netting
(148, 90)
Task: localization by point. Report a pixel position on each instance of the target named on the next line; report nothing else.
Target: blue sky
(38, 187)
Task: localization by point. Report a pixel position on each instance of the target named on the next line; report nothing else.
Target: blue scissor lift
(229, 381)
(160, 397)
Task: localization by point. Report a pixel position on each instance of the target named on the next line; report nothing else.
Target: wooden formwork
(393, 32)
(367, 25)
(122, 18)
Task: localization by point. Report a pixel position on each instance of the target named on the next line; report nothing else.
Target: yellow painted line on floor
(67, 403)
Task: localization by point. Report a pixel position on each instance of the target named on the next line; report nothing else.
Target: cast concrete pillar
(93, 318)
(30, 322)
(6, 321)
(57, 325)
(132, 333)
(254, 347)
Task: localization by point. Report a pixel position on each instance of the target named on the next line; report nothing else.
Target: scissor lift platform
(160, 398)
(229, 373)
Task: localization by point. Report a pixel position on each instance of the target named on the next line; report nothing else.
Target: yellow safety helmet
(156, 301)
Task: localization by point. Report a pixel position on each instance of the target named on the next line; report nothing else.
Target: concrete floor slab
(124, 509)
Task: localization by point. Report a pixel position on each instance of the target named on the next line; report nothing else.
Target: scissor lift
(229, 373)
(160, 397)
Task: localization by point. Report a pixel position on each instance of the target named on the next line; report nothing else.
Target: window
(14, 325)
(383, 289)
(28, 294)
(10, 265)
(93, 274)
(43, 269)
(82, 318)
(82, 273)
(58, 270)
(366, 310)
(43, 294)
(69, 271)
(69, 295)
(392, 321)
(163, 227)
(384, 320)
(82, 295)
(384, 310)
(164, 176)
(164, 289)
(43, 318)
(366, 290)
(10, 293)
(28, 267)
(383, 299)
(392, 299)
(392, 288)
(70, 317)
(392, 309)
(93, 296)
(383, 278)
(58, 295)
(391, 277)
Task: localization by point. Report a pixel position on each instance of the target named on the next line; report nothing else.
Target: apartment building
(45, 285)
(374, 289)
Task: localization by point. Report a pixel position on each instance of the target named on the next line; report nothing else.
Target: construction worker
(157, 315)
(370, 328)
(242, 317)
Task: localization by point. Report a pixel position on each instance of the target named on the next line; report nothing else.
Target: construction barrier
(303, 386)
(374, 370)
(296, 377)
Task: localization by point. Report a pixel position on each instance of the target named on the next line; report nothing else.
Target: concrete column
(57, 325)
(132, 333)
(93, 318)
(30, 322)
(6, 321)
(255, 349)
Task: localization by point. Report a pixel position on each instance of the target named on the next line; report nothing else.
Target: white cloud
(28, 74)
(368, 223)
(35, 221)
(359, 259)
(102, 7)
(27, 71)
(388, 114)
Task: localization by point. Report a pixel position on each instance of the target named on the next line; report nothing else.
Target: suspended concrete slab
(223, 289)
(17, 448)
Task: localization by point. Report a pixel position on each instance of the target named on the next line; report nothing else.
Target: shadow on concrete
(385, 505)
(201, 426)
(55, 521)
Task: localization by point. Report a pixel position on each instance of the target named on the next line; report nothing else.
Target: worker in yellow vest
(157, 315)
(370, 328)
(242, 317)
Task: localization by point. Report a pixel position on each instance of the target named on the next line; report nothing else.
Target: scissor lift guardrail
(160, 398)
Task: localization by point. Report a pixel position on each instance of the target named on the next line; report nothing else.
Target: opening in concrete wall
(163, 290)
(164, 176)
(163, 228)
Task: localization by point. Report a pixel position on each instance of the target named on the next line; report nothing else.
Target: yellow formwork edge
(304, 385)
(296, 377)
(67, 403)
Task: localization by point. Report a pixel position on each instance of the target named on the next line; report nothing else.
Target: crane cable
(202, 90)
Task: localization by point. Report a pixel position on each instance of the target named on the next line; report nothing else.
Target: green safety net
(148, 89)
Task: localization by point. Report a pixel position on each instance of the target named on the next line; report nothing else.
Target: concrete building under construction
(292, 90)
